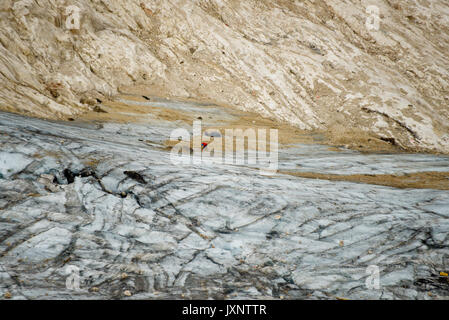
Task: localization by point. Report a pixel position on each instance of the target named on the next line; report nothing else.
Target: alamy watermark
(72, 281)
(232, 149)
(372, 282)
(73, 19)
(372, 22)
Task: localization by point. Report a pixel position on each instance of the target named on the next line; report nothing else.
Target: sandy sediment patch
(118, 111)
(418, 180)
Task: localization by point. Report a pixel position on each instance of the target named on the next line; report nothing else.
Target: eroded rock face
(314, 64)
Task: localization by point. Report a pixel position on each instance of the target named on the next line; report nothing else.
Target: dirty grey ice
(138, 227)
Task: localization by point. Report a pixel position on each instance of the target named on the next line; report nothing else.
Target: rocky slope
(314, 64)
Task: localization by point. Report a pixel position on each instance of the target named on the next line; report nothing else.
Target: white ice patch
(11, 163)
(46, 245)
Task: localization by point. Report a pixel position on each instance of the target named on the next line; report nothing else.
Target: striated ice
(12, 163)
(209, 231)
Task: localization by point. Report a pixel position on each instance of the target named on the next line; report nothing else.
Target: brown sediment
(287, 135)
(121, 112)
(418, 180)
(46, 153)
(357, 139)
(338, 138)
(91, 162)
